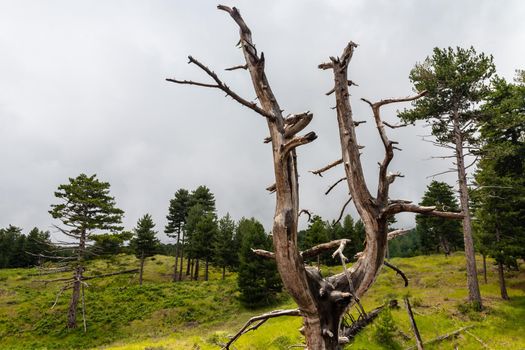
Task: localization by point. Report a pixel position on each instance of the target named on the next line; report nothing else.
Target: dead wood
(327, 167)
(419, 342)
(259, 320)
(350, 331)
(322, 301)
(335, 184)
(443, 337)
(398, 271)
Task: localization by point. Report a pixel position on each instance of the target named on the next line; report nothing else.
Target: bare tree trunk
(445, 245)
(501, 274)
(196, 275)
(472, 275)
(175, 268)
(206, 272)
(485, 268)
(181, 258)
(141, 268)
(75, 297)
(79, 271)
(189, 266)
(502, 285)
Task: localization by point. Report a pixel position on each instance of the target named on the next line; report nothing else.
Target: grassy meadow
(163, 315)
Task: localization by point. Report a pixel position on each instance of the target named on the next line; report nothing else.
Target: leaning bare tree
(322, 301)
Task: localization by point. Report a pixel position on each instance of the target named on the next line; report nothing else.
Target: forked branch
(384, 179)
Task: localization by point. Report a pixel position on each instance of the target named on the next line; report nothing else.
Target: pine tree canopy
(86, 206)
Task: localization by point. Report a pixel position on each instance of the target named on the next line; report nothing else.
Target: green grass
(163, 315)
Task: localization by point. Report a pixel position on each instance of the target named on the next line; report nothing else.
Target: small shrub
(385, 329)
(282, 342)
(417, 302)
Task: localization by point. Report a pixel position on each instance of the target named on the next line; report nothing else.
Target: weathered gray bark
(472, 276)
(321, 301)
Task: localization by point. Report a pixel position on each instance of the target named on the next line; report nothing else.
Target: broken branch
(335, 184)
(328, 167)
(343, 210)
(397, 270)
(399, 207)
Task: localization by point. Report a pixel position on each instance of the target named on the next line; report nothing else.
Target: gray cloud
(82, 90)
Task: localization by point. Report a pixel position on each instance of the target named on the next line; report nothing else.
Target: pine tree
(439, 233)
(224, 249)
(201, 203)
(144, 242)
(456, 82)
(38, 244)
(11, 247)
(85, 207)
(500, 193)
(204, 237)
(177, 213)
(258, 279)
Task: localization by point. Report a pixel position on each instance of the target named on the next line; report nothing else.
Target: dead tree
(321, 301)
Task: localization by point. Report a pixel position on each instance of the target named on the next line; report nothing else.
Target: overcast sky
(82, 90)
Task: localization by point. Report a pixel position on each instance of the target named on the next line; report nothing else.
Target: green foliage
(225, 253)
(385, 330)
(258, 279)
(177, 212)
(455, 81)
(86, 206)
(438, 233)
(202, 196)
(499, 197)
(19, 250)
(144, 242)
(405, 246)
(108, 244)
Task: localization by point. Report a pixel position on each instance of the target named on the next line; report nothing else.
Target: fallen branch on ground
(260, 320)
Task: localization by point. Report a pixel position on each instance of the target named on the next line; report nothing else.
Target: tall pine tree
(177, 213)
(500, 192)
(456, 81)
(258, 279)
(144, 242)
(224, 248)
(85, 208)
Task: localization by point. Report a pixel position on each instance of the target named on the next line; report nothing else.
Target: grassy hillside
(196, 315)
